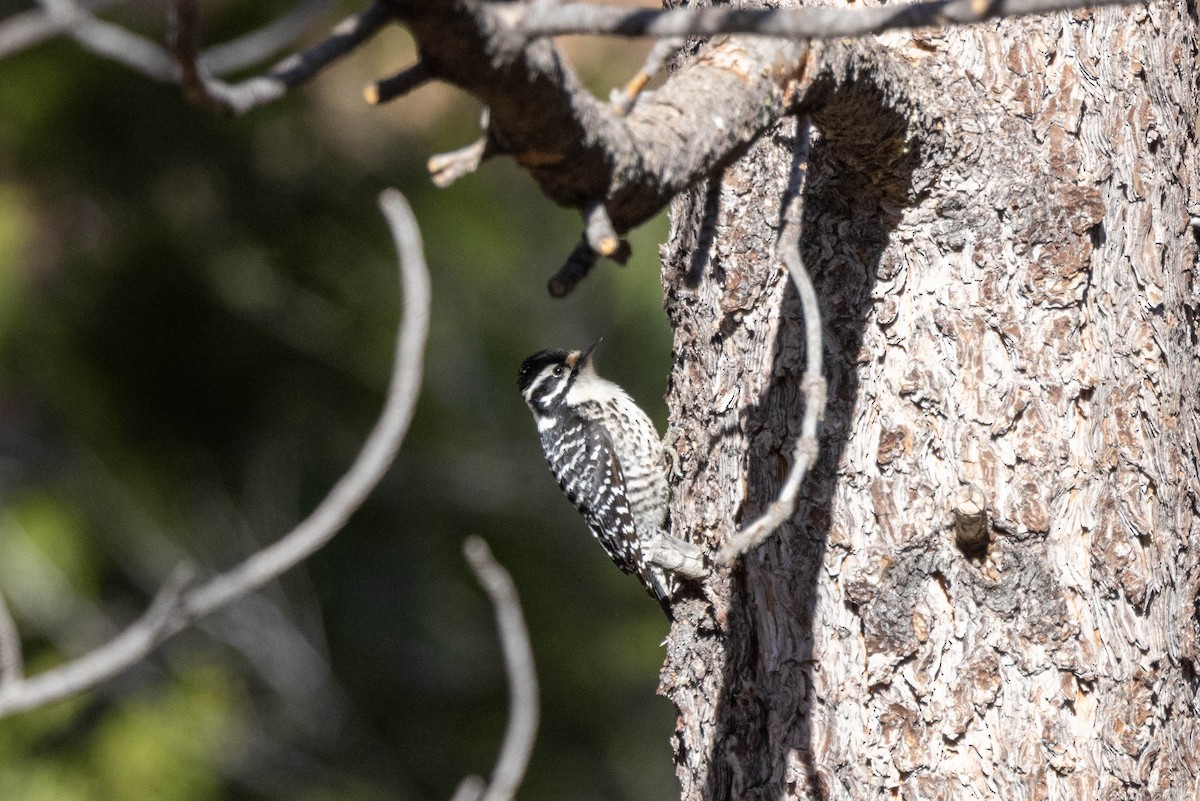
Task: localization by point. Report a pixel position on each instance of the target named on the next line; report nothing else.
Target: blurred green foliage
(196, 320)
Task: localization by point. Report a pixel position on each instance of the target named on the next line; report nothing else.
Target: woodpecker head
(546, 378)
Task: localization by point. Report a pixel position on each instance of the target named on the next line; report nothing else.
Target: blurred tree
(195, 327)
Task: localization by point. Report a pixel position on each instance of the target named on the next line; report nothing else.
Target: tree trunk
(1006, 268)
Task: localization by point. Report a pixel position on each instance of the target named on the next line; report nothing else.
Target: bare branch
(813, 380)
(598, 230)
(676, 556)
(969, 509)
(205, 90)
(521, 730)
(173, 610)
(623, 99)
(574, 270)
(29, 28)
(446, 168)
(580, 262)
(12, 665)
(112, 41)
(259, 45)
(378, 451)
(813, 386)
(809, 22)
(398, 85)
(123, 651)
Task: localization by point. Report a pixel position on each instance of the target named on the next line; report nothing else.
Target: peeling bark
(997, 222)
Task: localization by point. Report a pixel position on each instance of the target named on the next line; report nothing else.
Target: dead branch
(805, 453)
(446, 168)
(813, 380)
(521, 730)
(598, 230)
(111, 41)
(581, 151)
(808, 22)
(204, 89)
(175, 608)
(398, 85)
(656, 61)
(12, 664)
(259, 45)
(29, 28)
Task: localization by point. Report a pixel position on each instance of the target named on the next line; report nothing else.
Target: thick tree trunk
(1006, 269)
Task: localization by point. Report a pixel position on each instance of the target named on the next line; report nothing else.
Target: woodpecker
(607, 458)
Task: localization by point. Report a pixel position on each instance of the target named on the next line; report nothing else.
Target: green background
(196, 322)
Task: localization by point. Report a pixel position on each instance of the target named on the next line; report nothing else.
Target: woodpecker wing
(582, 457)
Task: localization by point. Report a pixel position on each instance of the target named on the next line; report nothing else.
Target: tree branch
(378, 451)
(398, 85)
(174, 609)
(112, 41)
(259, 45)
(805, 453)
(656, 60)
(809, 22)
(29, 28)
(521, 731)
(813, 381)
(205, 90)
(12, 664)
(578, 148)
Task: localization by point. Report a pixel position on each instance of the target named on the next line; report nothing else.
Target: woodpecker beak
(578, 359)
(587, 354)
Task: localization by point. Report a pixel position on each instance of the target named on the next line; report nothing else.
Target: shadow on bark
(860, 174)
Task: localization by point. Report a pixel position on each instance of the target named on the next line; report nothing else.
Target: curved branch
(813, 386)
(12, 664)
(203, 89)
(112, 41)
(378, 451)
(29, 28)
(175, 609)
(521, 731)
(259, 45)
(813, 380)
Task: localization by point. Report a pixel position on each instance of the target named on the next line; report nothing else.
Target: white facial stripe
(532, 389)
(558, 390)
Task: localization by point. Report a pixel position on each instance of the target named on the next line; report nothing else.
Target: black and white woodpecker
(607, 457)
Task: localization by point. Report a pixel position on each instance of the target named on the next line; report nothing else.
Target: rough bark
(998, 227)
(579, 149)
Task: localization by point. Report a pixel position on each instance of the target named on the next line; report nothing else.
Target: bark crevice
(865, 150)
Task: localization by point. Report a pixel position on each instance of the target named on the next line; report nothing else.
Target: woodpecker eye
(558, 369)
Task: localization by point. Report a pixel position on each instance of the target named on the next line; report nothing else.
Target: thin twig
(112, 41)
(574, 270)
(206, 90)
(172, 611)
(623, 100)
(813, 386)
(446, 168)
(813, 380)
(123, 651)
(12, 664)
(809, 22)
(32, 27)
(398, 85)
(259, 45)
(521, 730)
(598, 230)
